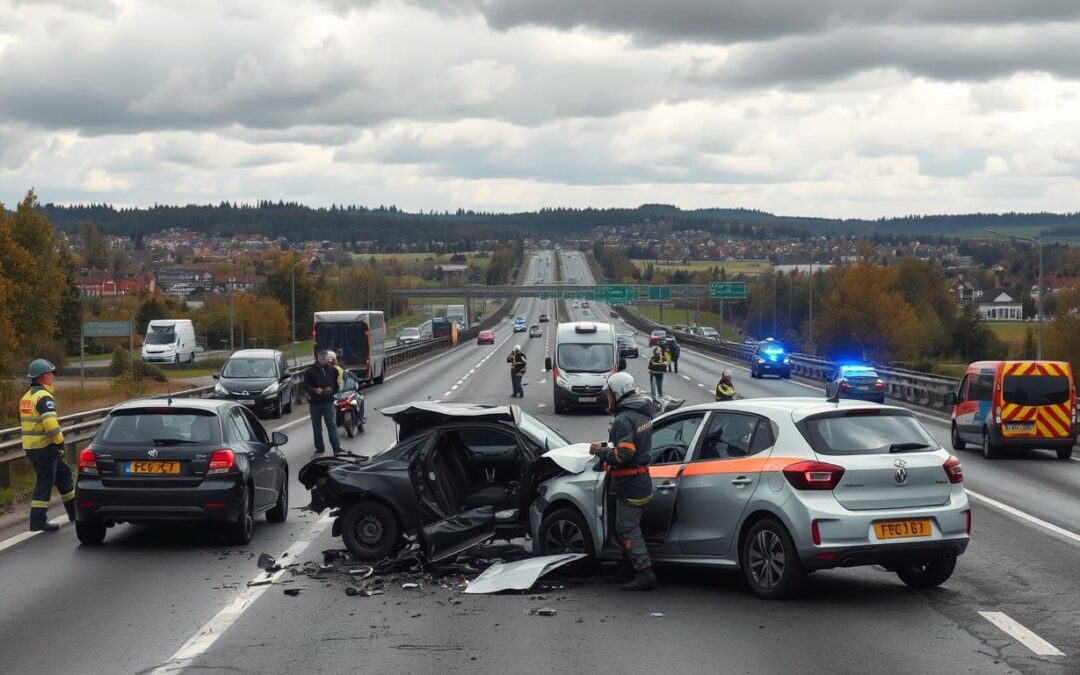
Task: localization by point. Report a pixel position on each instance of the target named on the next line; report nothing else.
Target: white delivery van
(169, 341)
(586, 353)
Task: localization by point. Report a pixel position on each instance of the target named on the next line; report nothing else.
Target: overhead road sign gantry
(727, 289)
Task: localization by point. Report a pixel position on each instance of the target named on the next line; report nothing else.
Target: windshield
(586, 358)
(545, 436)
(859, 433)
(410, 332)
(173, 427)
(626, 340)
(162, 338)
(249, 368)
(1035, 389)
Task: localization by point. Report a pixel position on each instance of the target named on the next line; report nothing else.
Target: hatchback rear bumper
(890, 556)
(212, 501)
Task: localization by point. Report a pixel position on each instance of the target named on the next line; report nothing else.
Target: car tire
(176, 359)
(288, 402)
(928, 574)
(89, 534)
(276, 411)
(192, 359)
(988, 449)
(280, 511)
(370, 530)
(360, 420)
(1064, 451)
(957, 442)
(348, 420)
(769, 561)
(565, 531)
(239, 533)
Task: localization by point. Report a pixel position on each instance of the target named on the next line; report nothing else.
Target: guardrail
(80, 428)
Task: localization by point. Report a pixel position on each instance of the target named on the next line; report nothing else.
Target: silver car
(776, 488)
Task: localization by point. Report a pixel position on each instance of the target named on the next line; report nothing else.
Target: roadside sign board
(617, 295)
(727, 289)
(659, 292)
(97, 329)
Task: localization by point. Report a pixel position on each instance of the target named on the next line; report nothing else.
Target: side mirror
(547, 363)
(622, 363)
(951, 399)
(278, 439)
(216, 375)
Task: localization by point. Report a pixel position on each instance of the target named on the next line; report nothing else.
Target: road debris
(267, 563)
(542, 611)
(292, 592)
(260, 582)
(519, 576)
(410, 586)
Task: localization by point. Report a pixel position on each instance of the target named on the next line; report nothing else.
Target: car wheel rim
(767, 559)
(371, 531)
(564, 537)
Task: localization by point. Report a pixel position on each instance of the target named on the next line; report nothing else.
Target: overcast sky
(830, 108)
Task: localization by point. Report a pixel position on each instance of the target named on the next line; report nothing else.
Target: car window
(671, 439)
(283, 365)
(961, 391)
(982, 388)
(484, 443)
(174, 426)
(1036, 390)
(238, 427)
(259, 433)
(865, 432)
(249, 367)
(731, 435)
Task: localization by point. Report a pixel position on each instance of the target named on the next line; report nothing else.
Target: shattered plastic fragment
(409, 586)
(260, 582)
(267, 563)
(543, 611)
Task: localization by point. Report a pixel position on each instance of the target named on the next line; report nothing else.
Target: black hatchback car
(181, 460)
(627, 346)
(859, 382)
(257, 378)
(458, 475)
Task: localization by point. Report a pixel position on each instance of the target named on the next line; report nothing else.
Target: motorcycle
(350, 411)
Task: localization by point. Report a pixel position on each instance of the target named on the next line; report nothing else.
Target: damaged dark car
(458, 475)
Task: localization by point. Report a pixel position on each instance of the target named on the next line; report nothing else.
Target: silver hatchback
(776, 488)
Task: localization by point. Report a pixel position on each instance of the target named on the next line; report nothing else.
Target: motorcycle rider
(626, 457)
(725, 388)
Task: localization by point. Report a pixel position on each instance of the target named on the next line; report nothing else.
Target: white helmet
(331, 355)
(728, 373)
(621, 384)
(517, 348)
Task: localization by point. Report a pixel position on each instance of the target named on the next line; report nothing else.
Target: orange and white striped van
(1015, 404)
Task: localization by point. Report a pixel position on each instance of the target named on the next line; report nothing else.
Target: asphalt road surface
(176, 598)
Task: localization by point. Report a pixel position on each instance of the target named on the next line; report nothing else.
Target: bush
(128, 387)
(121, 365)
(149, 371)
(121, 362)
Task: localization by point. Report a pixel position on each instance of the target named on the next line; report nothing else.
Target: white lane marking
(544, 381)
(700, 384)
(1022, 634)
(446, 394)
(23, 536)
(684, 377)
(541, 405)
(1071, 536)
(213, 629)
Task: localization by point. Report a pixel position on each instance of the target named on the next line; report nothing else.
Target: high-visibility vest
(37, 417)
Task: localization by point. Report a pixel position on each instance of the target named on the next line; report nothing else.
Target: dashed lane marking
(685, 377)
(1022, 634)
(700, 384)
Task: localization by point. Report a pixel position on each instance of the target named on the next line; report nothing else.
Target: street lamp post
(1034, 241)
(810, 339)
(292, 324)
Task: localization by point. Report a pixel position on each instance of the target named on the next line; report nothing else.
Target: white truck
(169, 341)
(456, 314)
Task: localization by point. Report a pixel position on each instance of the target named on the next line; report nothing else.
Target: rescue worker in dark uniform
(725, 388)
(674, 349)
(517, 363)
(657, 367)
(43, 443)
(626, 458)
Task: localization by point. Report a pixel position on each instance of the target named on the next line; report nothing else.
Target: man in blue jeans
(321, 383)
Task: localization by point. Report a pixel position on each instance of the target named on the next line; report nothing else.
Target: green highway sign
(617, 295)
(659, 292)
(727, 289)
(106, 328)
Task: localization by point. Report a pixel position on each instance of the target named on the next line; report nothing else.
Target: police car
(769, 358)
(856, 381)
(519, 325)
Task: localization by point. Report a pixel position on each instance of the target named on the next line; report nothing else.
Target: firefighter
(657, 367)
(517, 363)
(725, 388)
(626, 458)
(43, 443)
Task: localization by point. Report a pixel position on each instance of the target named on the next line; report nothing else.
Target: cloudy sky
(831, 108)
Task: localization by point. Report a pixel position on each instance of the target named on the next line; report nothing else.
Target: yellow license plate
(154, 467)
(903, 529)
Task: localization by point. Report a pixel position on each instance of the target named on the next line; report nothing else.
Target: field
(685, 317)
(1014, 332)
(410, 262)
(730, 267)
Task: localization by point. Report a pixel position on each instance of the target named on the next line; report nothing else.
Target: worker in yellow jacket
(43, 443)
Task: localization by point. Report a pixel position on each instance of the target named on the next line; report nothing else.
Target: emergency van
(1001, 405)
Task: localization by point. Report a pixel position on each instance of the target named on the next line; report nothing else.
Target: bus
(357, 337)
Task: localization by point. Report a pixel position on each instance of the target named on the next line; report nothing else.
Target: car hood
(252, 385)
(414, 417)
(573, 458)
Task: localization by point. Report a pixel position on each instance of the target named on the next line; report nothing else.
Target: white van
(586, 353)
(169, 341)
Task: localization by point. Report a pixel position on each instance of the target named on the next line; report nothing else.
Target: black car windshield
(864, 432)
(162, 338)
(626, 340)
(160, 427)
(1035, 389)
(586, 358)
(253, 368)
(545, 436)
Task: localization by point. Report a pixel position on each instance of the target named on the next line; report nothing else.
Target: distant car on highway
(855, 381)
(817, 485)
(704, 332)
(657, 336)
(543, 318)
(408, 335)
(519, 325)
(258, 379)
(534, 331)
(769, 358)
(189, 460)
(584, 303)
(485, 337)
(627, 346)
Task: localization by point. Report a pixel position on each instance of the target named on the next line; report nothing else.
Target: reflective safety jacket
(517, 363)
(37, 416)
(724, 391)
(657, 364)
(631, 439)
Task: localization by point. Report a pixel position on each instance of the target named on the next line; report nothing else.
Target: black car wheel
(348, 420)
(240, 532)
(988, 449)
(89, 534)
(360, 419)
(770, 563)
(1064, 451)
(565, 531)
(280, 512)
(957, 442)
(370, 530)
(927, 574)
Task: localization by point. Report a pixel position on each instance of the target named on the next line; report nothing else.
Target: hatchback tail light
(879, 385)
(222, 461)
(954, 470)
(813, 475)
(88, 462)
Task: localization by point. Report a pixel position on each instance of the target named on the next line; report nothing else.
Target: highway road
(175, 598)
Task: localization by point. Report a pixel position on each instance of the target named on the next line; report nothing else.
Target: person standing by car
(517, 363)
(626, 458)
(673, 350)
(320, 383)
(331, 358)
(657, 367)
(43, 443)
(725, 388)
